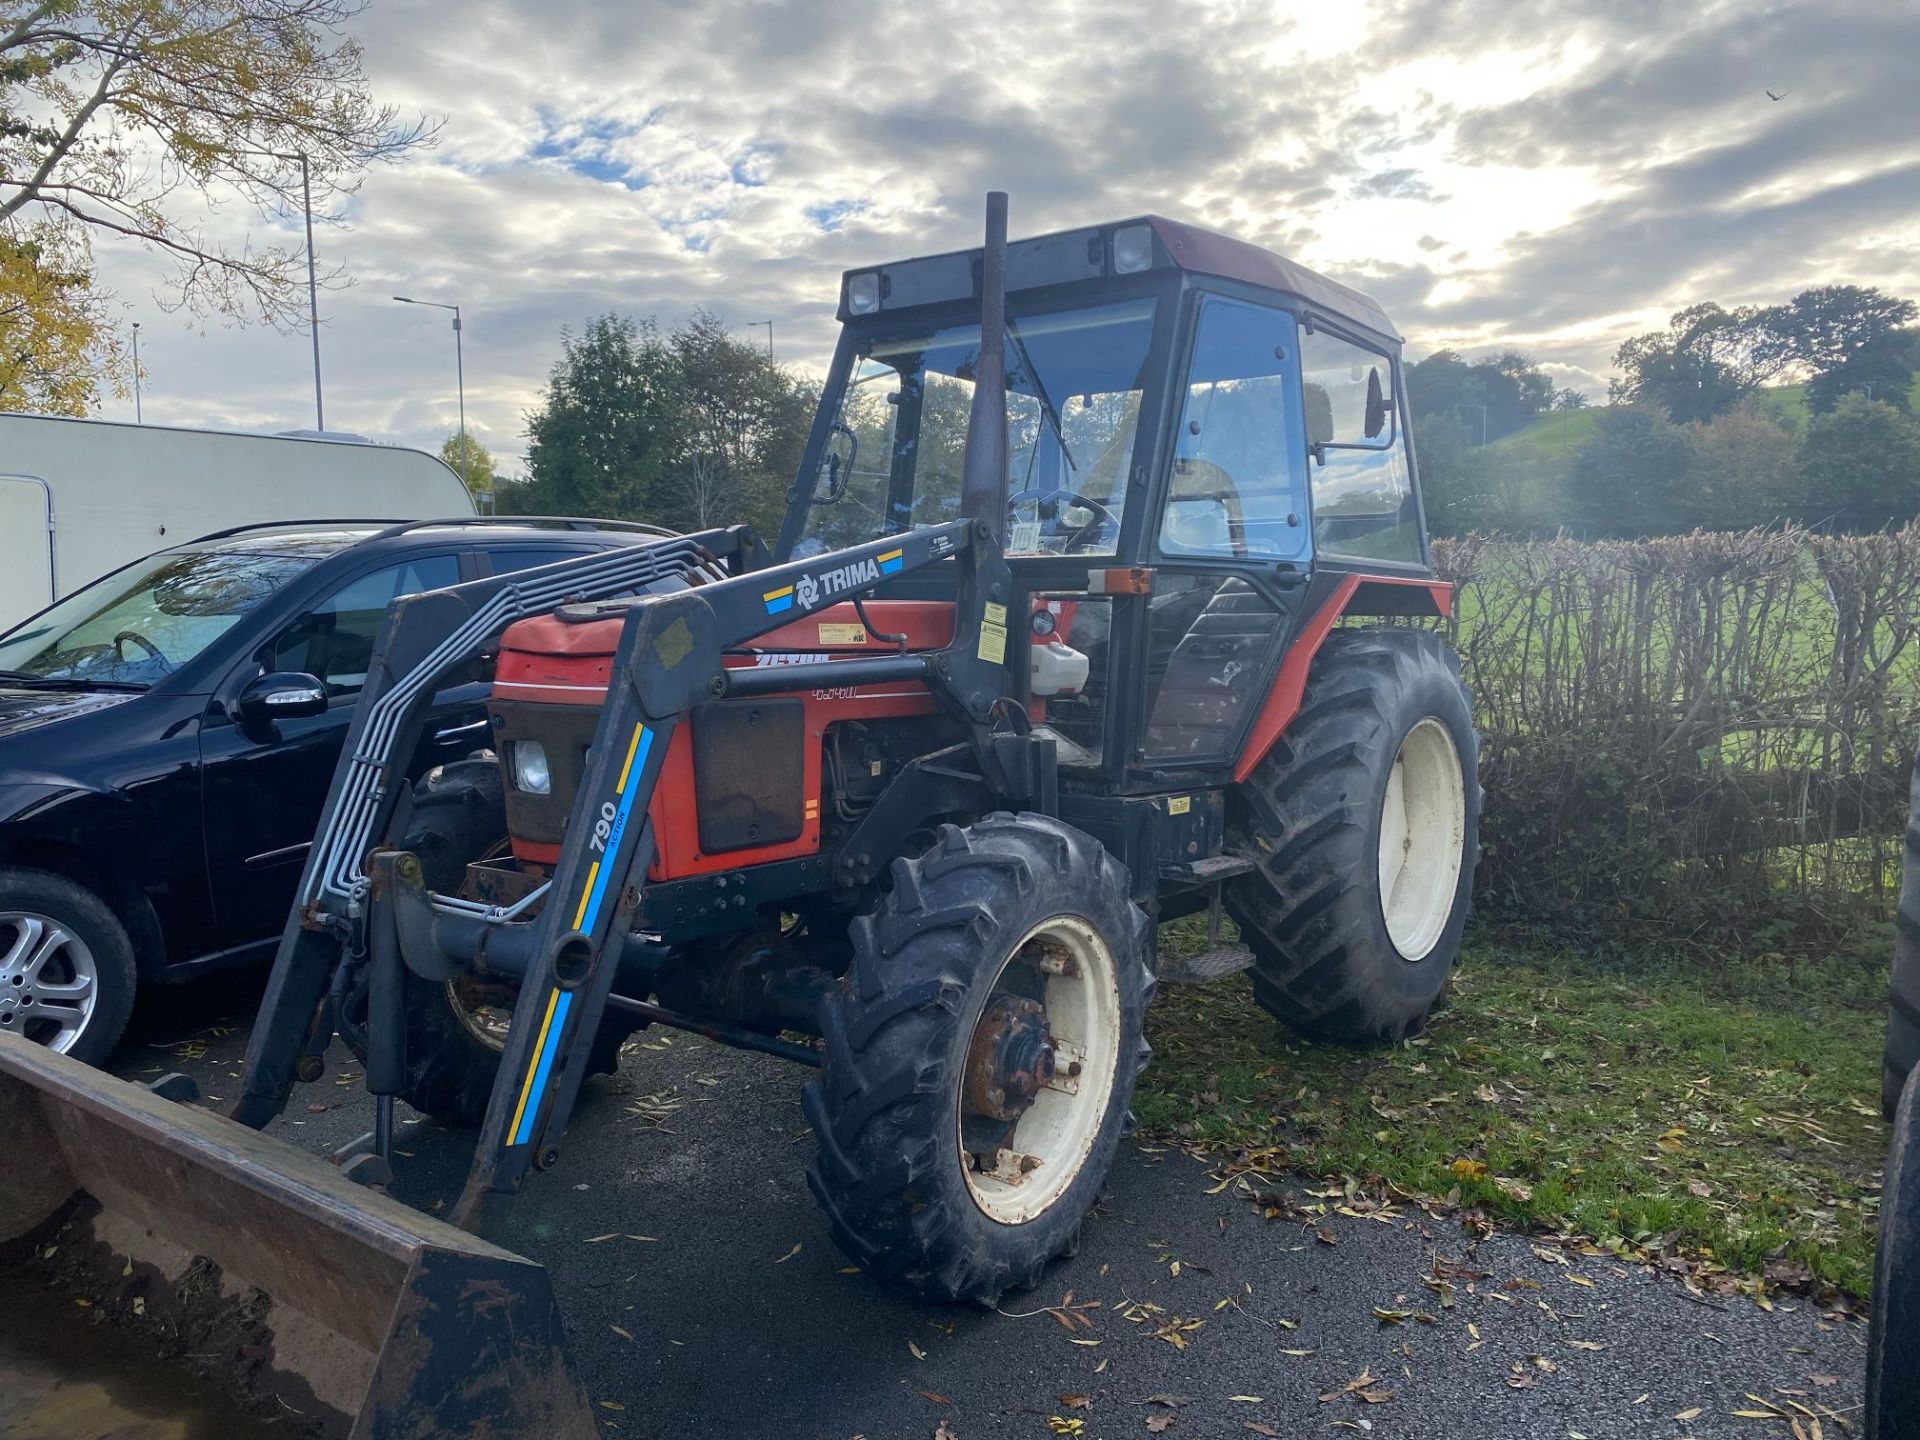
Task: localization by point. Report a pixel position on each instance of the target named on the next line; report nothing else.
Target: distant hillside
(1554, 436)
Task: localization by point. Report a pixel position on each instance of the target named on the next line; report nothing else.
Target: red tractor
(1055, 645)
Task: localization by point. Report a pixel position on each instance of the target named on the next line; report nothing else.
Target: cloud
(1591, 165)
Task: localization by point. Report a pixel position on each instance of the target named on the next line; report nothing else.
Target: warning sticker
(1180, 805)
(993, 639)
(996, 614)
(843, 634)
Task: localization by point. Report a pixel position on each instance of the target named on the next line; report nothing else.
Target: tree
(134, 116)
(1745, 471)
(598, 441)
(1633, 476)
(1828, 326)
(1861, 466)
(1570, 399)
(473, 464)
(1494, 397)
(1703, 364)
(738, 426)
(1881, 369)
(54, 335)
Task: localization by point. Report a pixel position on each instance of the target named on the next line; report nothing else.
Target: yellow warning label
(843, 634)
(996, 614)
(1180, 805)
(993, 638)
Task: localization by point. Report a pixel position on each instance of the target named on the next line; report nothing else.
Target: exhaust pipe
(983, 475)
(369, 1319)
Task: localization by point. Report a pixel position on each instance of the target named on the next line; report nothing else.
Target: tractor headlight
(530, 772)
(1132, 249)
(863, 293)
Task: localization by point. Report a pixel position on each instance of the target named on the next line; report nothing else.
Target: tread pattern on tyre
(1902, 1051)
(1893, 1340)
(877, 1106)
(1308, 910)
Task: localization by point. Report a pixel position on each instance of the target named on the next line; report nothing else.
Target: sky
(1550, 175)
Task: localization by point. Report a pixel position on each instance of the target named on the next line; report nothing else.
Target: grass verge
(1723, 1123)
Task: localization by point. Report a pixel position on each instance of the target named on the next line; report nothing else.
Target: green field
(1722, 1124)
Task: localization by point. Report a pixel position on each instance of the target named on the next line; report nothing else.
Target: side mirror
(281, 695)
(1376, 418)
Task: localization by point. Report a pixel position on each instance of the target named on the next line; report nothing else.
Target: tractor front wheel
(457, 1029)
(980, 1055)
(1364, 818)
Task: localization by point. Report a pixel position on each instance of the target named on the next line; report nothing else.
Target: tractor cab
(1204, 442)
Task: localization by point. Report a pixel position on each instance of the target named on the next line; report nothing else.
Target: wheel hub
(47, 980)
(1011, 1059)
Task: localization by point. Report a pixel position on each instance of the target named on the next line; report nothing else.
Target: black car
(167, 736)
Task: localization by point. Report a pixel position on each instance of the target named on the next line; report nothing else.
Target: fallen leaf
(1823, 1381)
(1075, 1402)
(1326, 1236)
(623, 1334)
(1245, 1399)
(935, 1396)
(943, 1432)
(1375, 1397)
(1160, 1423)
(1259, 1429)
(786, 1257)
(611, 1405)
(1686, 1417)
(918, 1353)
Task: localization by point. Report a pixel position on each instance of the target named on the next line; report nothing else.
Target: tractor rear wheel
(1893, 1340)
(980, 1054)
(457, 1029)
(1365, 818)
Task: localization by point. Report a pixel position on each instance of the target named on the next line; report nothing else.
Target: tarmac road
(741, 1318)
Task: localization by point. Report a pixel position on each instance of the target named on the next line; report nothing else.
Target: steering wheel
(1102, 515)
(145, 644)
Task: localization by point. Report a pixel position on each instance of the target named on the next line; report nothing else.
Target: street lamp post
(1483, 420)
(755, 325)
(460, 375)
(136, 374)
(313, 296)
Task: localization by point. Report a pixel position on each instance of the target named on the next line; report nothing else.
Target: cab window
(334, 640)
(1363, 503)
(1237, 489)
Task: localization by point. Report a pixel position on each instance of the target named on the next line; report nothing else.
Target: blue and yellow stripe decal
(779, 600)
(592, 894)
(558, 1003)
(892, 562)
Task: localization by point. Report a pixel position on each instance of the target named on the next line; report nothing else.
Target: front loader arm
(669, 661)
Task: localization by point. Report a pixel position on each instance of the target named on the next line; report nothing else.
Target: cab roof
(1088, 254)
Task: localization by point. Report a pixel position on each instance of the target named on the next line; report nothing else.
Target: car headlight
(863, 293)
(530, 772)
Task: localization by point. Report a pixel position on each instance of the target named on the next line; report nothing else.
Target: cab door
(1233, 542)
(263, 788)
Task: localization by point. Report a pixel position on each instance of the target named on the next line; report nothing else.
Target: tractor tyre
(1893, 1339)
(456, 1029)
(1902, 1051)
(1364, 818)
(981, 1051)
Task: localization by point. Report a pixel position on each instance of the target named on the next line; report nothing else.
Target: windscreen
(138, 625)
(894, 458)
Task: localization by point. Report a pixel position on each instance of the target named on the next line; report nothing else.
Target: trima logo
(808, 590)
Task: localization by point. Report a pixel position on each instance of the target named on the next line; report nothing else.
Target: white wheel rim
(49, 984)
(1052, 1139)
(1423, 838)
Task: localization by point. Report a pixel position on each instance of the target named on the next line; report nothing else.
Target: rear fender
(1352, 594)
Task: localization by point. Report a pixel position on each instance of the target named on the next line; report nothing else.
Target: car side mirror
(281, 695)
(1377, 406)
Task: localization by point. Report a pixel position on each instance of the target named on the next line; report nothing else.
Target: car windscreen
(138, 625)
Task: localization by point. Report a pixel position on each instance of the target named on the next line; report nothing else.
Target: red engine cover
(544, 660)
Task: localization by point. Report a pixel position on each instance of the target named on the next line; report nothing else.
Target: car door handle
(456, 732)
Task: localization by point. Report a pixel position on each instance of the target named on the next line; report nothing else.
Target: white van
(81, 497)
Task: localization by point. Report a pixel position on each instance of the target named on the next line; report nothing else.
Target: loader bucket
(367, 1318)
